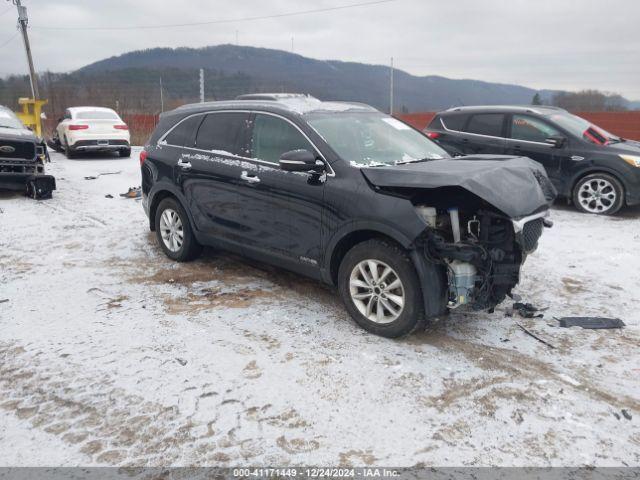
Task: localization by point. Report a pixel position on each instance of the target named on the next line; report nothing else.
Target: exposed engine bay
(483, 216)
(481, 250)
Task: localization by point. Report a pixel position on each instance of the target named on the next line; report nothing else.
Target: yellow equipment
(30, 115)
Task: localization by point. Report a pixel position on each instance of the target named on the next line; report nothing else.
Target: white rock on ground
(110, 354)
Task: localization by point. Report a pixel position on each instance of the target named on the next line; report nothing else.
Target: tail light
(143, 156)
(121, 127)
(78, 127)
(433, 135)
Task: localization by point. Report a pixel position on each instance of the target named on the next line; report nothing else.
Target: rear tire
(598, 193)
(125, 152)
(380, 289)
(69, 153)
(174, 233)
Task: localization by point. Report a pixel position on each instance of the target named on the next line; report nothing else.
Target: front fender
(368, 228)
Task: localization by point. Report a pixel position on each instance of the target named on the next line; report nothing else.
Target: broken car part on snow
(592, 323)
(348, 195)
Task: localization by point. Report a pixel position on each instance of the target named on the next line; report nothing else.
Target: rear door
(527, 135)
(208, 171)
(484, 134)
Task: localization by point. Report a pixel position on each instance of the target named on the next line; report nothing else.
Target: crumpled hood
(17, 134)
(511, 184)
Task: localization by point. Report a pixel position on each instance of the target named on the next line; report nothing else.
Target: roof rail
(274, 97)
(527, 108)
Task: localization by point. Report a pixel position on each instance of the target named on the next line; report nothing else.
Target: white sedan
(92, 129)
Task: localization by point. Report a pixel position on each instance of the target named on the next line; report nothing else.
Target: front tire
(598, 193)
(174, 233)
(380, 289)
(125, 152)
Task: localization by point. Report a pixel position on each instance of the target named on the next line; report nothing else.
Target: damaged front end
(482, 251)
(22, 164)
(482, 216)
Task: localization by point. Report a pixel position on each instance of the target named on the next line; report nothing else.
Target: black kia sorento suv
(598, 171)
(349, 196)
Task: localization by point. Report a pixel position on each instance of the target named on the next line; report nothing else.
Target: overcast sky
(557, 44)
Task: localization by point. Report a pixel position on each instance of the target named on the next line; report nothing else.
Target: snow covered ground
(110, 354)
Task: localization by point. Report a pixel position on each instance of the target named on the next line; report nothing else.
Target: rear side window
(273, 136)
(486, 124)
(455, 122)
(184, 134)
(221, 132)
(434, 123)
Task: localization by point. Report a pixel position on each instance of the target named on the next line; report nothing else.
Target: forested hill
(236, 69)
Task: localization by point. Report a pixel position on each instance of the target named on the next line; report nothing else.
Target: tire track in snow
(113, 427)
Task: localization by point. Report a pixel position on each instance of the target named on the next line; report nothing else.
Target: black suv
(598, 171)
(347, 195)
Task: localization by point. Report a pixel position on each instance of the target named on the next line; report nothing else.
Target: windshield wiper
(418, 160)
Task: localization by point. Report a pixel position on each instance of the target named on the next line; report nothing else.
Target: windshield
(583, 129)
(9, 120)
(373, 139)
(97, 115)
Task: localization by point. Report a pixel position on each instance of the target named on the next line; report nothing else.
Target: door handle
(249, 178)
(185, 165)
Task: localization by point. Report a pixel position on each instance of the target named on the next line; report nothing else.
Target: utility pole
(22, 23)
(161, 97)
(201, 85)
(391, 88)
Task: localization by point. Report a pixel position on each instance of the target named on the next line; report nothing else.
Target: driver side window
(531, 129)
(273, 136)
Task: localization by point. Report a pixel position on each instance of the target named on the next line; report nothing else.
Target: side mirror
(556, 141)
(298, 161)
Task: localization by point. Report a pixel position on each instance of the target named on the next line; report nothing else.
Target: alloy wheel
(597, 195)
(377, 291)
(171, 230)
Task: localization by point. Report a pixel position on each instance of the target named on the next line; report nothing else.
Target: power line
(9, 40)
(213, 22)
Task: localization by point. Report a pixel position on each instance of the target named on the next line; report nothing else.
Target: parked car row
(347, 195)
(407, 225)
(598, 171)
